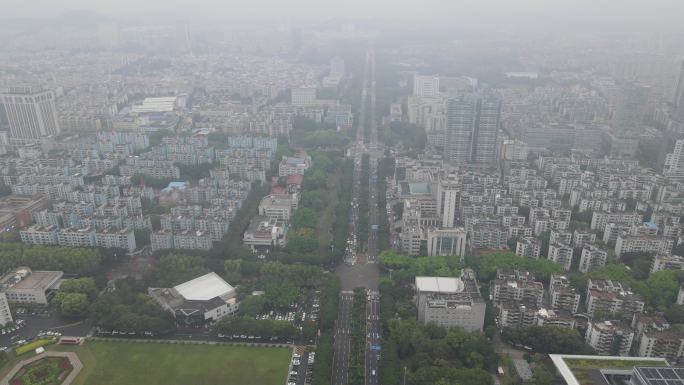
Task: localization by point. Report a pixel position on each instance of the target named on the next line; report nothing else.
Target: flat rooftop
(660, 376)
(42, 280)
(295, 161)
(418, 188)
(205, 288)
(260, 225)
(586, 370)
(13, 203)
(439, 284)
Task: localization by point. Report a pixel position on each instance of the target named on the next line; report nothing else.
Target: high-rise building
(303, 97)
(630, 109)
(446, 242)
(674, 162)
(472, 129)
(486, 130)
(425, 86)
(459, 130)
(5, 313)
(31, 112)
(678, 99)
(447, 200)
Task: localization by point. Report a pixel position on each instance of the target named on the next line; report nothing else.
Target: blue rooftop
(175, 186)
(418, 188)
(295, 160)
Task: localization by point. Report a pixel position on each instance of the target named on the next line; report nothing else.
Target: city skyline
(638, 16)
(342, 193)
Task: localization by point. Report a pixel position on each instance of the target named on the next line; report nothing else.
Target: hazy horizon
(609, 16)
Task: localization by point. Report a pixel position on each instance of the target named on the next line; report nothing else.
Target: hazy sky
(628, 14)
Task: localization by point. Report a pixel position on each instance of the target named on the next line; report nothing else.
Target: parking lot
(301, 365)
(306, 310)
(33, 325)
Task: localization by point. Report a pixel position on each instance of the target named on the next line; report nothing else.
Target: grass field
(116, 363)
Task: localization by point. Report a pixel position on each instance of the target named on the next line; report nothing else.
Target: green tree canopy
(304, 217)
(281, 294)
(487, 264)
(80, 285)
(72, 304)
(172, 269)
(253, 305)
(548, 339)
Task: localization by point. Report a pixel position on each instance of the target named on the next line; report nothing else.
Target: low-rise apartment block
(184, 239)
(629, 244)
(610, 338)
(593, 257)
(600, 219)
(517, 286)
(562, 296)
(40, 235)
(611, 297)
(561, 254)
(517, 315)
(529, 247)
(583, 237)
(667, 262)
(79, 237)
(663, 344)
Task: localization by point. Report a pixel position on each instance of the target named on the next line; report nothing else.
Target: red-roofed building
(278, 190)
(294, 182)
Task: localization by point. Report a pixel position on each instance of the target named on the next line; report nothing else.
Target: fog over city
(607, 16)
(317, 192)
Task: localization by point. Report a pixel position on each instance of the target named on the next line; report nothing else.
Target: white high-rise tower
(31, 112)
(425, 86)
(447, 199)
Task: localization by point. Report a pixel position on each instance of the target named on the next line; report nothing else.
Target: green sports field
(117, 363)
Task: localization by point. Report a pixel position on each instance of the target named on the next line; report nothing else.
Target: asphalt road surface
(356, 272)
(342, 339)
(36, 324)
(373, 336)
